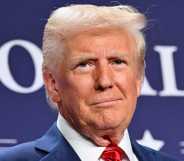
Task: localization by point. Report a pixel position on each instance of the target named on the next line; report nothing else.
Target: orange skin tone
(97, 85)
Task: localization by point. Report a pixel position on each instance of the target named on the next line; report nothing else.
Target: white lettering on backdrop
(5, 75)
(168, 71)
(166, 54)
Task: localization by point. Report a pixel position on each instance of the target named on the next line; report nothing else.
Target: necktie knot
(113, 153)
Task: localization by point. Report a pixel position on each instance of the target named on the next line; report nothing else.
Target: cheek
(81, 85)
(75, 92)
(127, 83)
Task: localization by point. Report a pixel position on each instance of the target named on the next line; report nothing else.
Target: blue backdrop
(24, 113)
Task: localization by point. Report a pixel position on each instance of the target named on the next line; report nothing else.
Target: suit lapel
(143, 153)
(55, 146)
(139, 152)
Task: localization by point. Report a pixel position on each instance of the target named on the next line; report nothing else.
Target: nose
(104, 78)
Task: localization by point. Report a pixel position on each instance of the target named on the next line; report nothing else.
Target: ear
(138, 86)
(51, 86)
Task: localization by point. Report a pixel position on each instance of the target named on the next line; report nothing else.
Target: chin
(113, 118)
(106, 120)
(108, 124)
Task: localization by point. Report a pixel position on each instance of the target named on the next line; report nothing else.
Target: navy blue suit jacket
(53, 147)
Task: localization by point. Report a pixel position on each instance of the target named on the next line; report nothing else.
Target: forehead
(96, 38)
(100, 42)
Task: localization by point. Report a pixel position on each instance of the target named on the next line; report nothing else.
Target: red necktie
(113, 153)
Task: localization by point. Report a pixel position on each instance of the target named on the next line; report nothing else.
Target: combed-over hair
(69, 20)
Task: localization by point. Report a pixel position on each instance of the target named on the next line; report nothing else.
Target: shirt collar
(85, 149)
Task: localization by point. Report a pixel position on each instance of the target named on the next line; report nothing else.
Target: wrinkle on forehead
(99, 37)
(100, 44)
(88, 55)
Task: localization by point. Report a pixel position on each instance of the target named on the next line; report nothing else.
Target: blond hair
(68, 20)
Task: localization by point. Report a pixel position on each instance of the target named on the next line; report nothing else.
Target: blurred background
(24, 112)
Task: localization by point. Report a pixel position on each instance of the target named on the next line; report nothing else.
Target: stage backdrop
(24, 113)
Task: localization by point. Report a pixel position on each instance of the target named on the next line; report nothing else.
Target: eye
(84, 66)
(118, 62)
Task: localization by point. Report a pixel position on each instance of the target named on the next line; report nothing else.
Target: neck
(103, 137)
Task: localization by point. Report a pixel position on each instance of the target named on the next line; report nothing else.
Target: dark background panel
(26, 116)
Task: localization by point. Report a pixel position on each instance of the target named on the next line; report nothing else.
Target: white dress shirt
(85, 149)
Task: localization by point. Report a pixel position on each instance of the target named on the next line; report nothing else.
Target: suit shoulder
(151, 154)
(21, 152)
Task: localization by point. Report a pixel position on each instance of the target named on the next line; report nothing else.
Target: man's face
(98, 82)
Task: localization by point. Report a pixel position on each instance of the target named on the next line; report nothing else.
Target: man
(93, 70)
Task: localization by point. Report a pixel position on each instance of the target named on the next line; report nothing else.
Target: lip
(106, 102)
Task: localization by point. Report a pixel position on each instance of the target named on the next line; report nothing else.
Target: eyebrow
(91, 56)
(86, 56)
(83, 57)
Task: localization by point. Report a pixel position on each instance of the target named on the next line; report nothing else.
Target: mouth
(106, 103)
